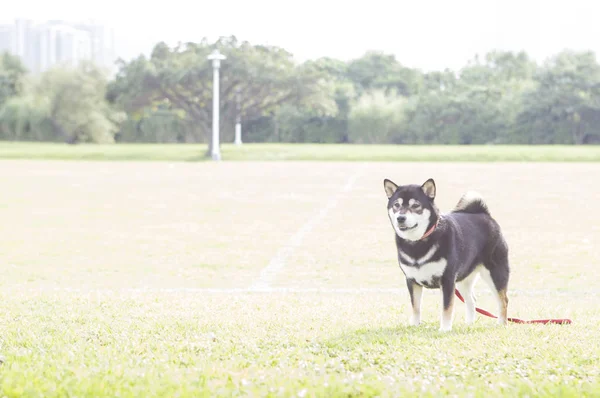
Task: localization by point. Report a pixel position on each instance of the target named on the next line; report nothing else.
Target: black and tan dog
(444, 251)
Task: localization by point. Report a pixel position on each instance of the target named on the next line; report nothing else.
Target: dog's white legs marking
(446, 319)
(485, 275)
(270, 272)
(447, 313)
(415, 319)
(466, 289)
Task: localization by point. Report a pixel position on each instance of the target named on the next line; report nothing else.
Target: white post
(216, 58)
(216, 150)
(238, 117)
(238, 133)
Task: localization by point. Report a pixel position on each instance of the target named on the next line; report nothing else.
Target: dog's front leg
(447, 286)
(416, 295)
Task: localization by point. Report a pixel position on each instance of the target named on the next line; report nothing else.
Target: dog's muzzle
(401, 220)
(405, 228)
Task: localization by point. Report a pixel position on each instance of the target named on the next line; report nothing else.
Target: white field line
(591, 293)
(277, 263)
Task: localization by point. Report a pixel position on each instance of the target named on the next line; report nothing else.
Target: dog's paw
(445, 328)
(414, 321)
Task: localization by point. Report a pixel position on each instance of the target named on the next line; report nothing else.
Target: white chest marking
(425, 270)
(422, 260)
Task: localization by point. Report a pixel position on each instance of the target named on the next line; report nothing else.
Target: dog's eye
(396, 205)
(415, 205)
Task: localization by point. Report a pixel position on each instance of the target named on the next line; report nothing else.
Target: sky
(425, 34)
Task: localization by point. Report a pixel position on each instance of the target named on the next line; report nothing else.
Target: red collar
(431, 230)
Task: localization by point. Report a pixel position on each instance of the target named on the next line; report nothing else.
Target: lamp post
(216, 57)
(238, 117)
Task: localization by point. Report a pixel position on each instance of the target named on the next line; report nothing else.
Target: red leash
(516, 320)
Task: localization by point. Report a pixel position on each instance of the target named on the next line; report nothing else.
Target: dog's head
(411, 208)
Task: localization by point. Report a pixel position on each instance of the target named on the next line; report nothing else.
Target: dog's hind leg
(466, 289)
(496, 276)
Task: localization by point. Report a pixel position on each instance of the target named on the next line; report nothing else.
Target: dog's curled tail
(471, 202)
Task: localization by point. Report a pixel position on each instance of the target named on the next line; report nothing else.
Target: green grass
(105, 265)
(190, 345)
(303, 152)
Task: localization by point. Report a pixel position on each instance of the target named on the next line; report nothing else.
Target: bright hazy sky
(429, 34)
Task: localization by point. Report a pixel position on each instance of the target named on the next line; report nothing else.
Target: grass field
(313, 152)
(132, 279)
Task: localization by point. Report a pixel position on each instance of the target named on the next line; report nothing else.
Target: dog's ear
(429, 188)
(390, 187)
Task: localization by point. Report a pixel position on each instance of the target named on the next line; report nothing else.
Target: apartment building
(43, 45)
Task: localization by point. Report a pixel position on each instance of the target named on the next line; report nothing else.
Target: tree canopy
(498, 98)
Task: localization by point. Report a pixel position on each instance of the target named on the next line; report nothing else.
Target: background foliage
(500, 98)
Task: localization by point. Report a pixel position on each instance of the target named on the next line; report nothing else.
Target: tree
(12, 73)
(377, 70)
(328, 121)
(377, 118)
(181, 78)
(564, 106)
(77, 105)
(63, 103)
(477, 105)
(501, 97)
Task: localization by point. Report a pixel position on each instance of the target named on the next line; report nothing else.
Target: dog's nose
(401, 218)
